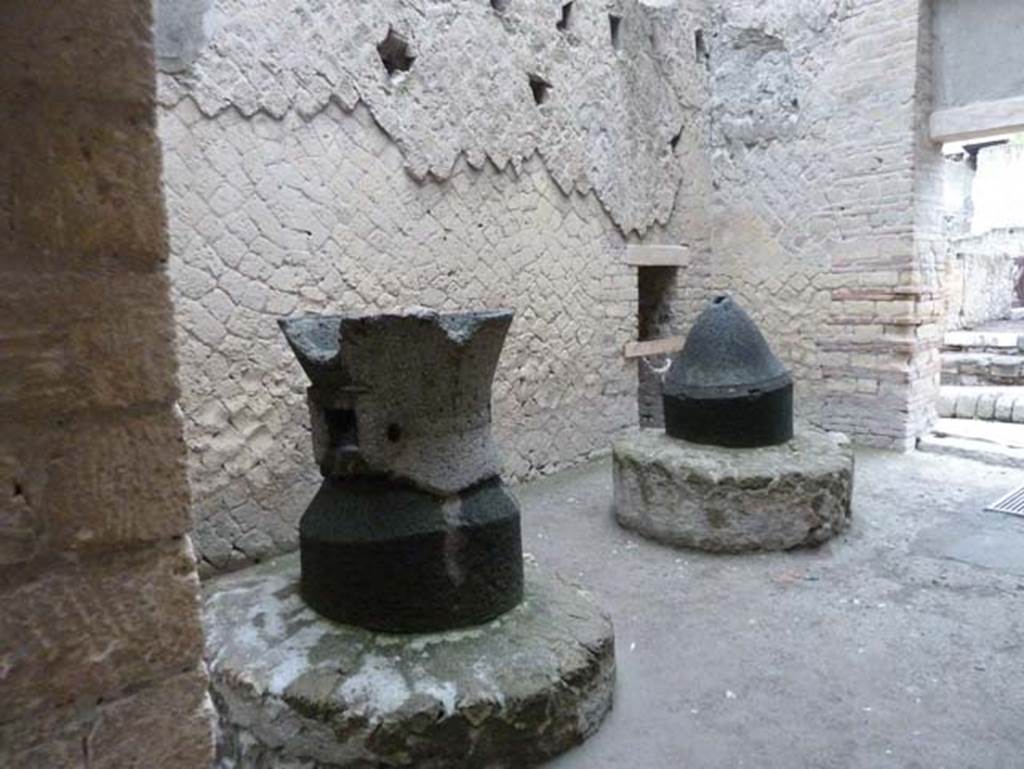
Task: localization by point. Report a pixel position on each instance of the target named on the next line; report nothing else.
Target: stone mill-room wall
(818, 212)
(100, 641)
(350, 156)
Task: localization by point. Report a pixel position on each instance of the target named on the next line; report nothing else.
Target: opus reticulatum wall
(367, 156)
(356, 157)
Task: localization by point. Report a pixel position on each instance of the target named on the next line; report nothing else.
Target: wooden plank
(664, 346)
(978, 120)
(658, 256)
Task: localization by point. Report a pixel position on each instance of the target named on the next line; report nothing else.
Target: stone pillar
(100, 641)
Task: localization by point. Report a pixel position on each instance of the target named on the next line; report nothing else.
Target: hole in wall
(700, 46)
(654, 320)
(615, 27)
(18, 490)
(341, 428)
(500, 5)
(394, 53)
(674, 141)
(719, 299)
(563, 22)
(394, 433)
(541, 89)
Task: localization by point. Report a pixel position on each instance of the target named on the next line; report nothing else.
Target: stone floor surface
(898, 644)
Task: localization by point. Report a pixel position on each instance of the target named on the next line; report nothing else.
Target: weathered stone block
(294, 689)
(1004, 408)
(89, 482)
(98, 626)
(1018, 410)
(458, 559)
(986, 407)
(85, 341)
(92, 50)
(167, 725)
(403, 395)
(79, 203)
(732, 500)
(966, 403)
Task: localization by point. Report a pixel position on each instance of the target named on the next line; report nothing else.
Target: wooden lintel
(665, 346)
(657, 256)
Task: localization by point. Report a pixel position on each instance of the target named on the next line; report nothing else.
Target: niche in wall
(394, 54)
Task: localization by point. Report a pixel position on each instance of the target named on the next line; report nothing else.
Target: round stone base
(295, 690)
(734, 500)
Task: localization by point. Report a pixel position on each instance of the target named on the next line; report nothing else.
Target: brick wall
(100, 640)
(825, 208)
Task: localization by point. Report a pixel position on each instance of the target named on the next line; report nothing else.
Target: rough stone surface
(823, 205)
(294, 690)
(415, 391)
(726, 387)
(97, 627)
(393, 558)
(979, 277)
(607, 124)
(100, 641)
(896, 645)
(164, 726)
(732, 500)
(998, 403)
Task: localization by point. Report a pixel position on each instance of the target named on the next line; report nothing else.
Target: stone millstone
(394, 558)
(403, 395)
(296, 690)
(726, 387)
(734, 500)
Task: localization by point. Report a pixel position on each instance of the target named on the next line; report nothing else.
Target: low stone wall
(980, 277)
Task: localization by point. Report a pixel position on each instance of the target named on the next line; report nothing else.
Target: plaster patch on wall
(605, 123)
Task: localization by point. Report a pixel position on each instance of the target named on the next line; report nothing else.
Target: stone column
(100, 640)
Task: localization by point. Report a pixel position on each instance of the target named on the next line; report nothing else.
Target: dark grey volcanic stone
(726, 387)
(394, 558)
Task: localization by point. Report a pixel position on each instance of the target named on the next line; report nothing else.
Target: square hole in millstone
(541, 89)
(341, 428)
(394, 53)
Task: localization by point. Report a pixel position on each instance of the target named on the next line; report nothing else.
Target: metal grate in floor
(1011, 504)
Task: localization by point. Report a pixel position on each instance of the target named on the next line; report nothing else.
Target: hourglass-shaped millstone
(412, 529)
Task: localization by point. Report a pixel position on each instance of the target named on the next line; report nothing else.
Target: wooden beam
(978, 120)
(664, 346)
(658, 256)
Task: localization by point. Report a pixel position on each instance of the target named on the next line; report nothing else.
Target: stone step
(995, 443)
(998, 404)
(983, 341)
(982, 368)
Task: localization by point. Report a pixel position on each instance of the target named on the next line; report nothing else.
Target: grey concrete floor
(900, 644)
